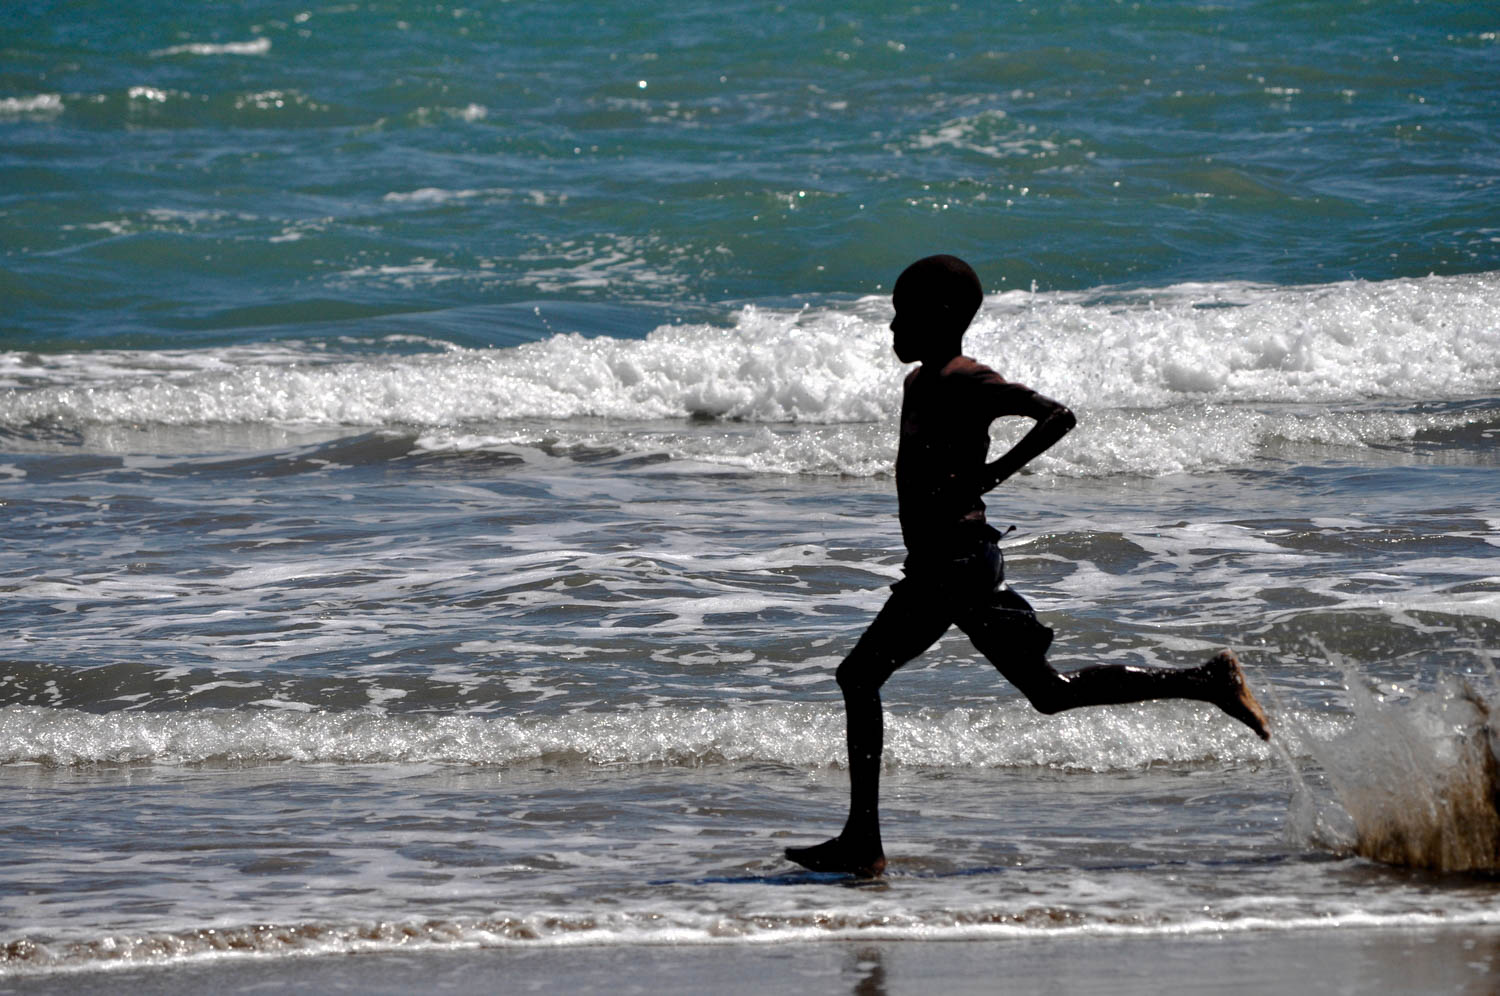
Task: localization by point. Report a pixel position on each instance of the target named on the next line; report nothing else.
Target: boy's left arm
(1053, 421)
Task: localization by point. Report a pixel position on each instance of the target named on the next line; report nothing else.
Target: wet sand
(1454, 960)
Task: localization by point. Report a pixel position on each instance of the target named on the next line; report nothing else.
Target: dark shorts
(969, 575)
(966, 590)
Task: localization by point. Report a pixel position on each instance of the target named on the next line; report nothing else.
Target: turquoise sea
(445, 451)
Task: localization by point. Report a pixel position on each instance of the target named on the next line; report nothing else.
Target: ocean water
(445, 451)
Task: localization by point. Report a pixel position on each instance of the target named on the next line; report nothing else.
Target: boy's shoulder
(969, 368)
(958, 370)
(964, 385)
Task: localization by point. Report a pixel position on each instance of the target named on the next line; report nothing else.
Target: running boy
(953, 568)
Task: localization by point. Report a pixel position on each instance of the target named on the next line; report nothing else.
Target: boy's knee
(1044, 688)
(1046, 697)
(1008, 634)
(1016, 644)
(860, 675)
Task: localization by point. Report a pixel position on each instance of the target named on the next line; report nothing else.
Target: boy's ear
(958, 317)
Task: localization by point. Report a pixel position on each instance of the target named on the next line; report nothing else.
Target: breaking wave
(1005, 735)
(1165, 381)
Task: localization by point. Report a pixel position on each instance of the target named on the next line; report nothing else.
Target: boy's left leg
(909, 623)
(1006, 631)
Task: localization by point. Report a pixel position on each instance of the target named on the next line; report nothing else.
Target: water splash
(1414, 779)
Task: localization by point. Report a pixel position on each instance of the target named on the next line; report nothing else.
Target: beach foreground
(1449, 960)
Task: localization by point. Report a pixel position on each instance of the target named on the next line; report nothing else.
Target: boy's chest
(937, 426)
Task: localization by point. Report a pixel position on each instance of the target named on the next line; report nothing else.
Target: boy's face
(921, 332)
(905, 338)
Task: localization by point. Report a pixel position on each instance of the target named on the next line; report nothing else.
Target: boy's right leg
(1007, 632)
(905, 627)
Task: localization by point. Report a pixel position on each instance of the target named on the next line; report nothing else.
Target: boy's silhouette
(954, 573)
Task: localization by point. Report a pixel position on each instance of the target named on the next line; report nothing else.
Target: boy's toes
(1235, 696)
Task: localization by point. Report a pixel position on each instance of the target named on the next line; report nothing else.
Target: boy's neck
(938, 361)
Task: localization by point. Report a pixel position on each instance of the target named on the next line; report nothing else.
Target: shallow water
(454, 699)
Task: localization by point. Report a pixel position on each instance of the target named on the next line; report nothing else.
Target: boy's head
(936, 298)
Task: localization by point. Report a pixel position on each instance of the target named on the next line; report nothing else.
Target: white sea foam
(1006, 735)
(990, 133)
(255, 46)
(1170, 380)
(607, 263)
(149, 94)
(439, 195)
(636, 928)
(39, 105)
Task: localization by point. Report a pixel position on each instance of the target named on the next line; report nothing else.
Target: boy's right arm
(1053, 421)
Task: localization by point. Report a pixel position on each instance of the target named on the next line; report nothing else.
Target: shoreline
(1455, 959)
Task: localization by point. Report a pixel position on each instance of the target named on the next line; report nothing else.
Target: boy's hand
(1054, 421)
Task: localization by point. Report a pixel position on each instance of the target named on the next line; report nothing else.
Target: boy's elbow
(1063, 418)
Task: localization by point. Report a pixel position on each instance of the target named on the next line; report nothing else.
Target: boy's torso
(945, 418)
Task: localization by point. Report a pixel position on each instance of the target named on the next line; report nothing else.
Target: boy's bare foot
(836, 856)
(1235, 696)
